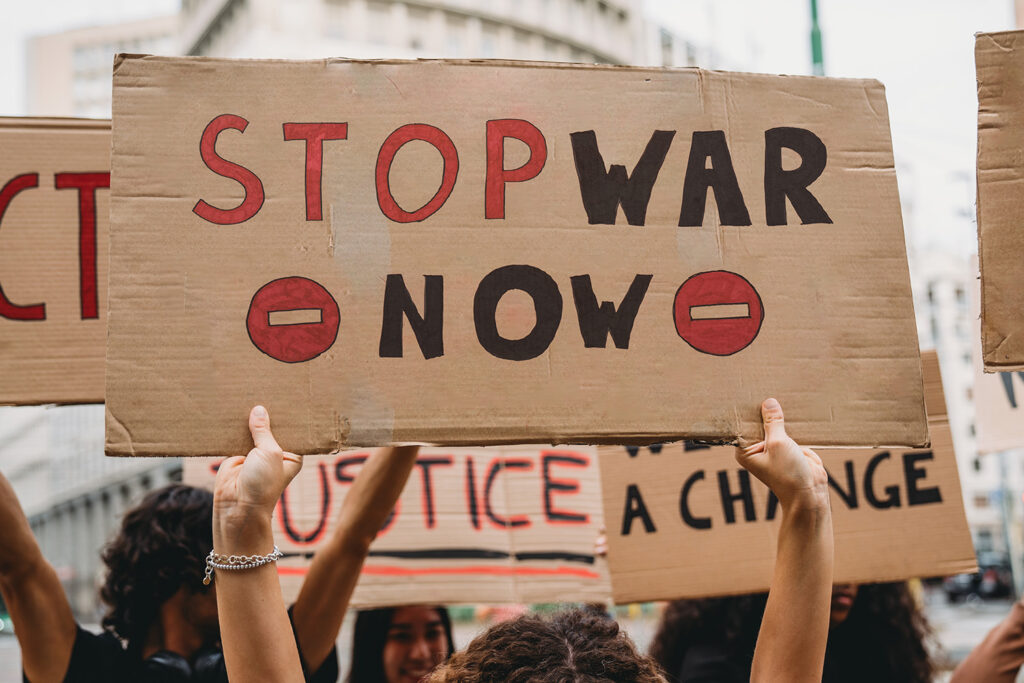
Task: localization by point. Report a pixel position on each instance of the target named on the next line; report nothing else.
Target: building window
(666, 48)
(973, 431)
(931, 292)
(980, 501)
(378, 22)
(977, 464)
(455, 28)
(489, 37)
(984, 541)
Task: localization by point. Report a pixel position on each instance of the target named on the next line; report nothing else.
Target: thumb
(774, 423)
(259, 427)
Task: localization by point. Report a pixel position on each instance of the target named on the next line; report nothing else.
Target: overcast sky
(922, 50)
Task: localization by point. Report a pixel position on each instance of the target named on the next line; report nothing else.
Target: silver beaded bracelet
(216, 561)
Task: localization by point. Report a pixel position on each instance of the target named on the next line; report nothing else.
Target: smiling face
(416, 643)
(843, 595)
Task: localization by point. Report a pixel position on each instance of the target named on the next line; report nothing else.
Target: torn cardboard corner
(685, 521)
(389, 252)
(484, 525)
(54, 209)
(1000, 63)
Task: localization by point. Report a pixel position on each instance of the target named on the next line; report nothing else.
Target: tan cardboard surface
(440, 547)
(998, 397)
(274, 264)
(1000, 64)
(711, 531)
(54, 208)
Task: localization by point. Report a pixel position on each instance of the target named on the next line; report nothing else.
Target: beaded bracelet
(216, 561)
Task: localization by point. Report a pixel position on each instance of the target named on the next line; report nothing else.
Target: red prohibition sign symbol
(718, 312)
(293, 319)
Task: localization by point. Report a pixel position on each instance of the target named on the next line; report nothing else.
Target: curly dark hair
(369, 636)
(883, 639)
(161, 547)
(572, 645)
(728, 625)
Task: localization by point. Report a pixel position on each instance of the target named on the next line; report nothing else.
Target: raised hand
(793, 473)
(247, 487)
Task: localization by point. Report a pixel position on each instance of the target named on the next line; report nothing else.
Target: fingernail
(259, 411)
(771, 404)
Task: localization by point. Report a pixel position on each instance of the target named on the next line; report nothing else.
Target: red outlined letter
(86, 183)
(253, 200)
(720, 332)
(497, 174)
(8, 309)
(425, 463)
(497, 465)
(407, 133)
(293, 340)
(293, 534)
(314, 134)
(564, 486)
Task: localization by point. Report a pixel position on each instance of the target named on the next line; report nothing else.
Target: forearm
(20, 550)
(255, 633)
(791, 642)
(33, 594)
(334, 572)
(998, 658)
(373, 495)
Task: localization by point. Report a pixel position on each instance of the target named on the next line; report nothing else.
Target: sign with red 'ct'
(390, 252)
(54, 209)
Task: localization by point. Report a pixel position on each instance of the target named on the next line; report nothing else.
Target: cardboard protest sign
(483, 525)
(1000, 64)
(686, 520)
(388, 252)
(54, 206)
(998, 397)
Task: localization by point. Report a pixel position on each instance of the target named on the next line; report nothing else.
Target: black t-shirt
(712, 663)
(101, 659)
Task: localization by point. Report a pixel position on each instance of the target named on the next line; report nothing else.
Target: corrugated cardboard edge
(991, 364)
(121, 58)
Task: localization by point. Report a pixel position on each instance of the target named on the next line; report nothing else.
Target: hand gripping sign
(486, 253)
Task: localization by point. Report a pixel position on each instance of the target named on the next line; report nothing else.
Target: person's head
(573, 645)
(843, 596)
(729, 624)
(399, 644)
(882, 638)
(157, 555)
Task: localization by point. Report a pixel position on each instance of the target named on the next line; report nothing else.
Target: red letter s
(253, 200)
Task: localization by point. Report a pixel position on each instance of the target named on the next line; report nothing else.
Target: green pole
(817, 59)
